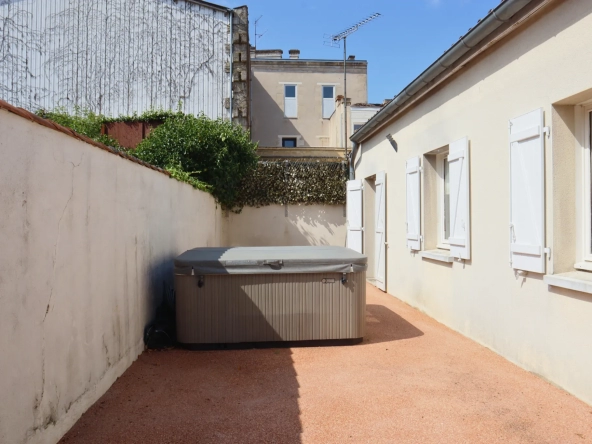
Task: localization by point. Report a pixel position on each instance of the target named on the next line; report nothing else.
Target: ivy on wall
(298, 181)
(219, 157)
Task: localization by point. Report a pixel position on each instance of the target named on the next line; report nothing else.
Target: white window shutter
(527, 192)
(354, 215)
(380, 231)
(328, 107)
(291, 107)
(460, 212)
(412, 175)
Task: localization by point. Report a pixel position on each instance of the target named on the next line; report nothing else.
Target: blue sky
(399, 45)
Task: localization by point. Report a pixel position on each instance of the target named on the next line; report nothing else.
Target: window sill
(573, 280)
(585, 266)
(437, 255)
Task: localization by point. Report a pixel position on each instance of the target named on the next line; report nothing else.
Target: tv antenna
(334, 41)
(258, 36)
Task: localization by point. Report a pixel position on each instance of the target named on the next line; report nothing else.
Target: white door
(380, 231)
(354, 215)
(527, 192)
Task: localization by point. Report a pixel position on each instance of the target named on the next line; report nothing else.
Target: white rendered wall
(303, 225)
(86, 247)
(544, 329)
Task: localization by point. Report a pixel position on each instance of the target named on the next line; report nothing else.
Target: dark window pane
(290, 90)
(328, 92)
(357, 127)
(289, 142)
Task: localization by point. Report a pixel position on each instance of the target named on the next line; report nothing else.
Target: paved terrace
(411, 381)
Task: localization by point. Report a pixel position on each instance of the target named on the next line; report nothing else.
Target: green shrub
(213, 152)
(83, 122)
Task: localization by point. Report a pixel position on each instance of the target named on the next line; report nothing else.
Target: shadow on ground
(181, 396)
(384, 325)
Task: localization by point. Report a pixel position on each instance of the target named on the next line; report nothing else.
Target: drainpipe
(351, 159)
(231, 12)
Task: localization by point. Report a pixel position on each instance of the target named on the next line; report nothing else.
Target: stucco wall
(544, 329)
(86, 242)
(304, 225)
(268, 98)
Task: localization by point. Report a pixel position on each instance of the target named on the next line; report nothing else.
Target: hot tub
(270, 294)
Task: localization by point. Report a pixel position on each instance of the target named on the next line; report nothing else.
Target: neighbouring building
(121, 57)
(472, 191)
(298, 102)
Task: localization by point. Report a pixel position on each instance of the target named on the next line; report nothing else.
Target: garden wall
(86, 241)
(288, 225)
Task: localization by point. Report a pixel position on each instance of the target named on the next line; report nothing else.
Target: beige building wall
(267, 90)
(288, 225)
(87, 241)
(356, 115)
(542, 328)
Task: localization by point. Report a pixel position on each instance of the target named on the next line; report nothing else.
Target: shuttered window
(527, 192)
(290, 101)
(328, 101)
(412, 189)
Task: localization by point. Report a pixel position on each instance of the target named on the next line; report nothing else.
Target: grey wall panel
(262, 308)
(115, 57)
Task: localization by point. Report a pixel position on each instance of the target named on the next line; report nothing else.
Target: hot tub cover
(270, 260)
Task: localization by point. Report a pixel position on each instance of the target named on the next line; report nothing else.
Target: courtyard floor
(412, 380)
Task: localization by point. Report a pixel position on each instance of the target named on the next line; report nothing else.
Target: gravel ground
(412, 380)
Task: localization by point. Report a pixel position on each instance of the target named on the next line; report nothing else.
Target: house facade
(122, 57)
(296, 102)
(471, 193)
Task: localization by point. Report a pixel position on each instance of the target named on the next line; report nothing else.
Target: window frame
(294, 138)
(295, 98)
(587, 194)
(323, 101)
(442, 241)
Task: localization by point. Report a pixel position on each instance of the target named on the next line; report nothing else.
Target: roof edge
(477, 39)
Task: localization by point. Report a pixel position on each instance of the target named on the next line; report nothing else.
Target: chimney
(294, 53)
(268, 54)
(351, 57)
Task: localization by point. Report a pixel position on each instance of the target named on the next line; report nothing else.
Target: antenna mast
(257, 36)
(334, 41)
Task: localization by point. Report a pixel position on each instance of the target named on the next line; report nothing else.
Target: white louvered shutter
(412, 175)
(380, 231)
(460, 211)
(527, 192)
(354, 215)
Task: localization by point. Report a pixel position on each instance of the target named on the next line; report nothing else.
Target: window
(328, 101)
(357, 126)
(289, 142)
(443, 200)
(290, 101)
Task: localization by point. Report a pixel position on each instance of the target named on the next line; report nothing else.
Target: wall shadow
(384, 325)
(177, 395)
